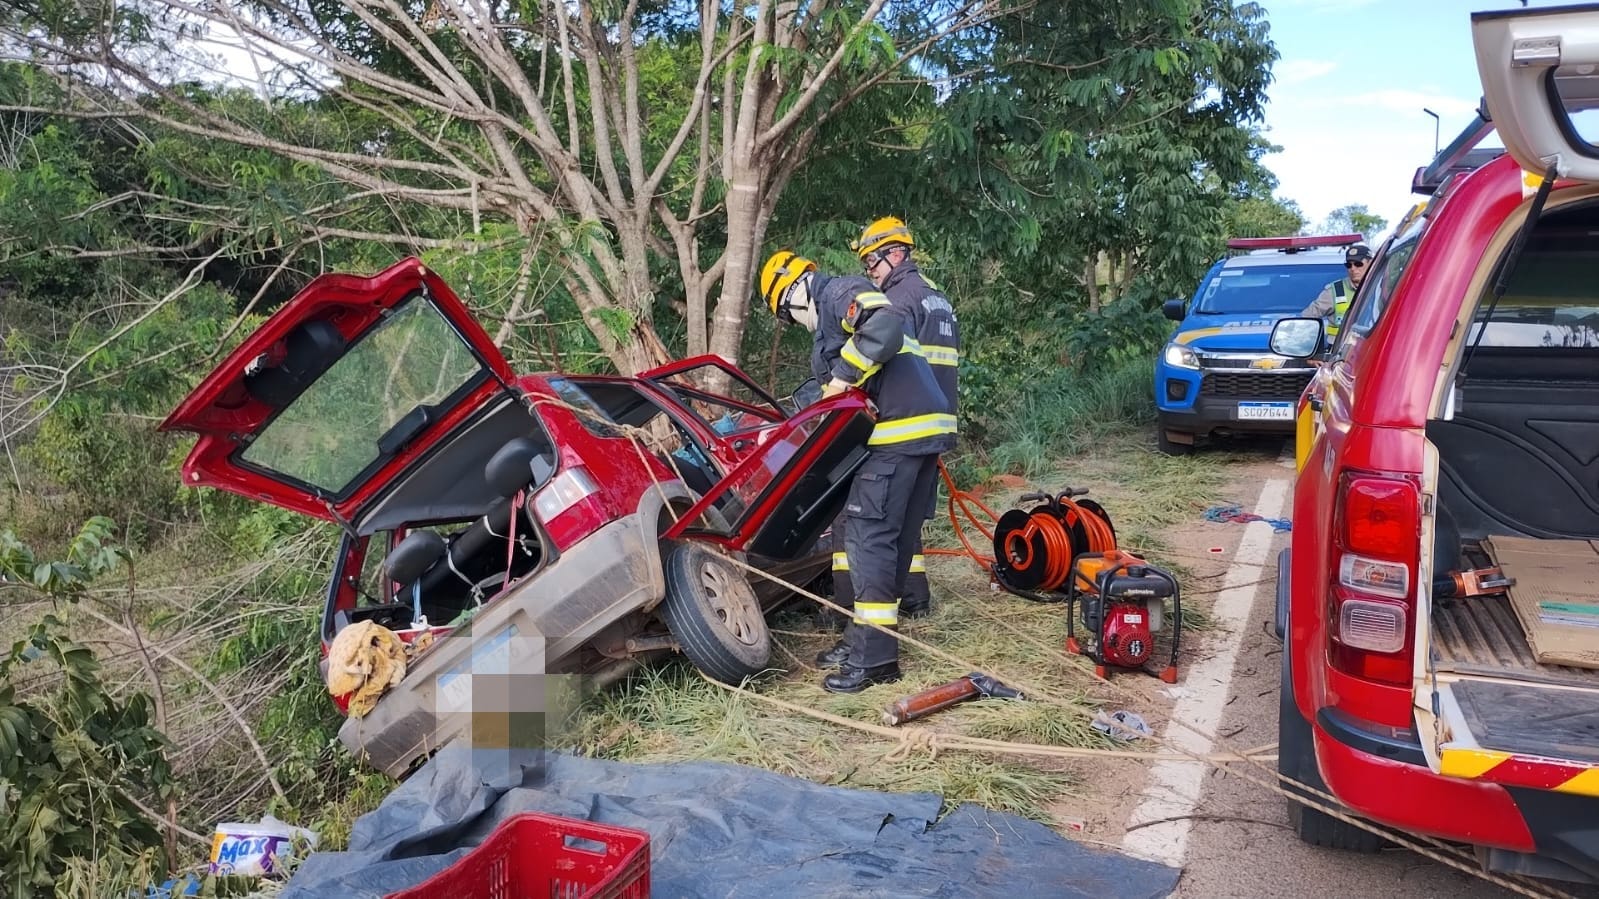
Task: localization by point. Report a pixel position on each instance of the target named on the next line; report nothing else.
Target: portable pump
(1124, 602)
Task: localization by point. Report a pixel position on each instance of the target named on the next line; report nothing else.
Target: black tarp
(726, 831)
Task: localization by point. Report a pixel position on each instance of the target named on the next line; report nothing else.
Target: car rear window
(1262, 288)
(1551, 298)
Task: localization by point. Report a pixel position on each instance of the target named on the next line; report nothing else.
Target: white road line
(1175, 787)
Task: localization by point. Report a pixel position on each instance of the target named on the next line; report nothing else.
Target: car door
(784, 494)
(1540, 83)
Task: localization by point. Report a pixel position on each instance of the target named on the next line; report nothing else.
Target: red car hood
(282, 421)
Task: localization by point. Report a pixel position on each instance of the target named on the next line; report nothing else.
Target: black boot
(850, 679)
(913, 609)
(832, 658)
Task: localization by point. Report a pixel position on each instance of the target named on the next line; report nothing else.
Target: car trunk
(1507, 690)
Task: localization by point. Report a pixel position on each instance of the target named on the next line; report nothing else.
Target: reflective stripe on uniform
(916, 427)
(854, 357)
(918, 564)
(840, 562)
(884, 613)
(911, 346)
(939, 355)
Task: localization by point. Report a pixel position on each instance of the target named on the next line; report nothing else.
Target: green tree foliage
(73, 758)
(1264, 216)
(1354, 219)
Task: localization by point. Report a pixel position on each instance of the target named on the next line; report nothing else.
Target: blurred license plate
(1265, 411)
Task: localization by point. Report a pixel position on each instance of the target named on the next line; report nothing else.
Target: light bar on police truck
(1297, 242)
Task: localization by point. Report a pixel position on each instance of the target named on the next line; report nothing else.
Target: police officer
(885, 248)
(861, 340)
(1333, 301)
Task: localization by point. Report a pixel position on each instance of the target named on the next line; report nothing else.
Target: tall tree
(1354, 219)
(617, 135)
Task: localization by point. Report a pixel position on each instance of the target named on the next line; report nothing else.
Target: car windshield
(1265, 288)
(334, 431)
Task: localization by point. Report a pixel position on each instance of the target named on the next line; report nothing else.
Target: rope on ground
(1272, 780)
(1235, 514)
(1324, 802)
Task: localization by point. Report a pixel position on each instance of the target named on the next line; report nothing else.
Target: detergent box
(254, 850)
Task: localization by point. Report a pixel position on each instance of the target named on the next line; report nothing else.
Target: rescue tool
(1124, 602)
(936, 699)
(1474, 582)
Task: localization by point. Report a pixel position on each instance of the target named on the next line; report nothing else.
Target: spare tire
(715, 615)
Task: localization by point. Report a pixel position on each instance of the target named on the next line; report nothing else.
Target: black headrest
(415, 555)
(512, 468)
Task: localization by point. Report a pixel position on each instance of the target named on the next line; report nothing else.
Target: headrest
(512, 468)
(416, 554)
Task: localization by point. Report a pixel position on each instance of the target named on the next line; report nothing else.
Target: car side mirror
(1174, 309)
(1297, 338)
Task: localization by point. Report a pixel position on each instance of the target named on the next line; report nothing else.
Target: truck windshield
(1265, 288)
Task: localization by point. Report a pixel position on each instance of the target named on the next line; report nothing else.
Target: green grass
(669, 713)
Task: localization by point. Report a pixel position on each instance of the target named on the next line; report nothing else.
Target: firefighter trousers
(883, 518)
(917, 597)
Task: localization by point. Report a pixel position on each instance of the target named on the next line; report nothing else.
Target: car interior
(434, 572)
(673, 444)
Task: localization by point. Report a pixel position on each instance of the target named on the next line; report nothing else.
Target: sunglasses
(1358, 263)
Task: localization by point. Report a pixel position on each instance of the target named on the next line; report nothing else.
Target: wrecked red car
(544, 523)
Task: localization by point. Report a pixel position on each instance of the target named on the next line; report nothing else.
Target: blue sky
(1348, 93)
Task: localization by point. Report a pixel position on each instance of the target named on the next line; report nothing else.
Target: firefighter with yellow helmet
(884, 248)
(861, 340)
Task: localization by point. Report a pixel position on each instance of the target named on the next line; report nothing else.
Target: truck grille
(1249, 385)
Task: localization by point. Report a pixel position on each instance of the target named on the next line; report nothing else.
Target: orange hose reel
(1034, 549)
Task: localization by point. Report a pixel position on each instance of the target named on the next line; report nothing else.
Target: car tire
(714, 614)
(1170, 447)
(1296, 759)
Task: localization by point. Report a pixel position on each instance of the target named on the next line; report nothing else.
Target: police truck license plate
(1265, 411)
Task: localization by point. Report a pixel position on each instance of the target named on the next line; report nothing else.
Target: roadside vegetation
(1064, 170)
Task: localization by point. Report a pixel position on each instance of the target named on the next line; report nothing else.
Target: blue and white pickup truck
(1218, 375)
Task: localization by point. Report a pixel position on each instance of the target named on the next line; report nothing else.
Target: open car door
(345, 386)
(780, 499)
(1541, 85)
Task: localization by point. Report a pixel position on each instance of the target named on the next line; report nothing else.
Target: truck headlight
(1179, 356)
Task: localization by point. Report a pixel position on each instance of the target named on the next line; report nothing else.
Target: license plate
(1265, 411)
(491, 657)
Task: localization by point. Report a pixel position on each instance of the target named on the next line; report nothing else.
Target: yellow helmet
(779, 273)
(881, 233)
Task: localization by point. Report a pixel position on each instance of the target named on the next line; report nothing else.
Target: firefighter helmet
(779, 273)
(881, 233)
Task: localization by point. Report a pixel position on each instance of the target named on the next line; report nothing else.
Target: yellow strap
(900, 430)
(918, 564)
(840, 562)
(938, 355)
(884, 613)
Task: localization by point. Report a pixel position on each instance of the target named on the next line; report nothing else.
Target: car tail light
(1377, 546)
(570, 506)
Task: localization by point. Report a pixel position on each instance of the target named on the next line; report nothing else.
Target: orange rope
(965, 500)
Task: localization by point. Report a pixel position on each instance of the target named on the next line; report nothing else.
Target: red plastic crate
(534, 856)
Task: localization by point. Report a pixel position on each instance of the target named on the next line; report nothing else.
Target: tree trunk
(1091, 280)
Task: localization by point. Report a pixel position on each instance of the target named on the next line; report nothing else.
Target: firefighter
(861, 340)
(885, 248)
(1333, 301)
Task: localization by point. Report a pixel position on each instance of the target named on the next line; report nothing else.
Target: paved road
(1238, 842)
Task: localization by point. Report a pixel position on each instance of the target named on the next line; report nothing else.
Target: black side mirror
(1174, 309)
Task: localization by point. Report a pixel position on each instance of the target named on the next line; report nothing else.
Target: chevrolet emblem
(1267, 363)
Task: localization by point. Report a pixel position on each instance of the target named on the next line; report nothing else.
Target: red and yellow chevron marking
(1514, 770)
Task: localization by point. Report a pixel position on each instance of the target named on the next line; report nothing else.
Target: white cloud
(1297, 71)
(1408, 101)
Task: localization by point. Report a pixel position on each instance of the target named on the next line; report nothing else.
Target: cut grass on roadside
(671, 714)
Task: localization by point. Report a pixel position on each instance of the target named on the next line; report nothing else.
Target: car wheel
(1170, 447)
(1296, 759)
(715, 615)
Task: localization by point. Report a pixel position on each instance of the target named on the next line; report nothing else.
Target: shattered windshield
(412, 360)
